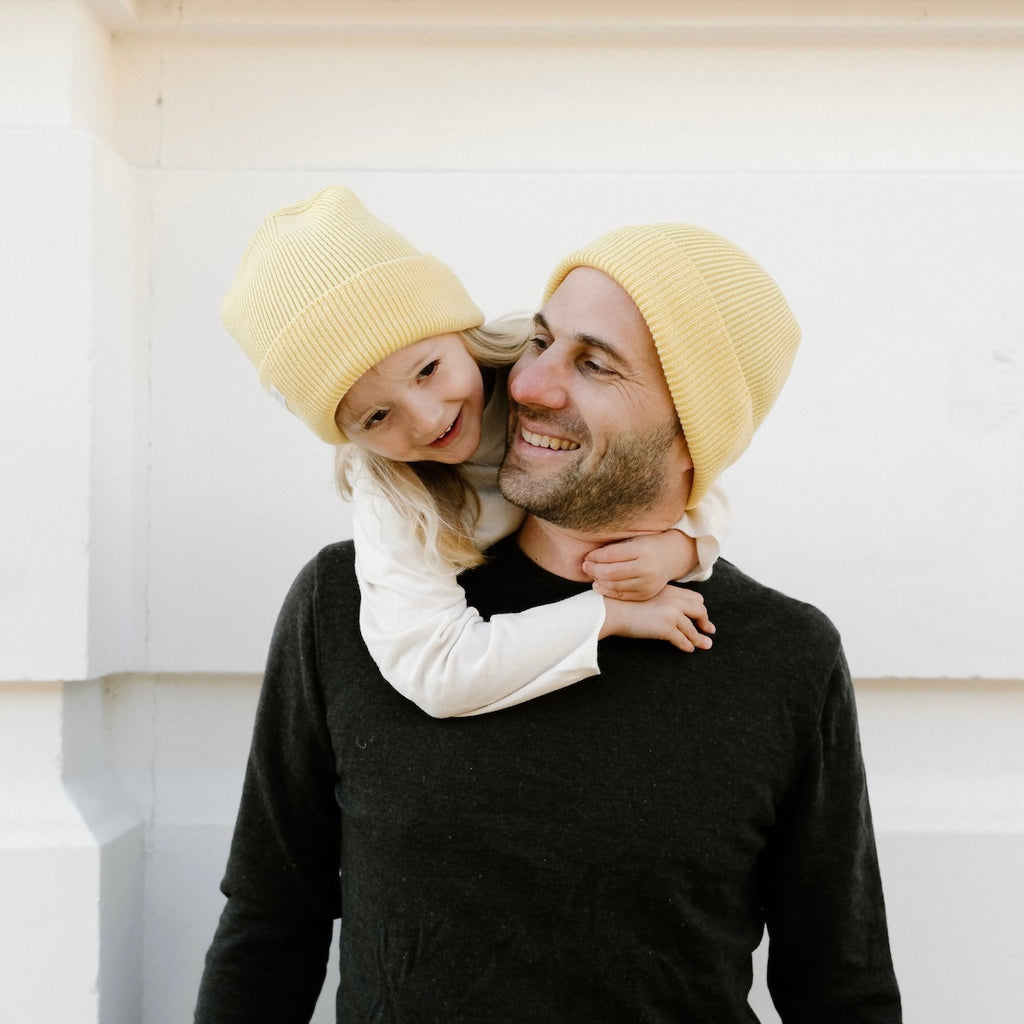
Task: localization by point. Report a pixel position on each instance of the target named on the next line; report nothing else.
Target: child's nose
(427, 417)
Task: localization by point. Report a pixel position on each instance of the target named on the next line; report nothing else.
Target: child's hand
(676, 615)
(637, 569)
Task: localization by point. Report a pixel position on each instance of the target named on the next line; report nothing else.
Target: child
(379, 350)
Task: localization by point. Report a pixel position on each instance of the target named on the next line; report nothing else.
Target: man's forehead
(590, 303)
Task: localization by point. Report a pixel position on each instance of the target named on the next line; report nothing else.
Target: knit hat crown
(724, 333)
(325, 291)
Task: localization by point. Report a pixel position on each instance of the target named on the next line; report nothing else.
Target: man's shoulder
(731, 590)
(323, 601)
(334, 560)
(338, 558)
(330, 569)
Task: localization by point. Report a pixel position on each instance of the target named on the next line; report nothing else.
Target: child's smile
(423, 403)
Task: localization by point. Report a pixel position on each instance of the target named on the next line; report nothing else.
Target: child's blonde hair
(441, 505)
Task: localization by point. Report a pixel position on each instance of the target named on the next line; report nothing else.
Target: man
(610, 852)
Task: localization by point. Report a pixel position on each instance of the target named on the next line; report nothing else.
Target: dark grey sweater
(607, 853)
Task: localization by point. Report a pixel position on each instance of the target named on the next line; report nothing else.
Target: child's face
(423, 404)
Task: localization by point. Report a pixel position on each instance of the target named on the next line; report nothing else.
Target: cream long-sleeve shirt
(439, 652)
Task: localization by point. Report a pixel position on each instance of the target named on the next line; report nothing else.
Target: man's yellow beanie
(724, 333)
(325, 291)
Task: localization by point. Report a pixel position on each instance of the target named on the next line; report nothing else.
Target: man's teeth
(543, 441)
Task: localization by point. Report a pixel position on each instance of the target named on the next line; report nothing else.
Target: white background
(155, 504)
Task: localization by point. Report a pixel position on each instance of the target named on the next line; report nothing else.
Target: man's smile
(547, 441)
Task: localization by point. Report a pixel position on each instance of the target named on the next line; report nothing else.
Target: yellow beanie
(324, 292)
(725, 336)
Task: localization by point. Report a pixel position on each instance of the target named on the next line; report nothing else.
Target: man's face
(594, 442)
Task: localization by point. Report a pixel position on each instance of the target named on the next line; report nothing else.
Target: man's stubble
(614, 492)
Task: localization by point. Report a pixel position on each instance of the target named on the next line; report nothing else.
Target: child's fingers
(692, 620)
(693, 635)
(680, 640)
(666, 616)
(688, 638)
(613, 572)
(698, 617)
(616, 551)
(626, 590)
(701, 621)
(608, 553)
(705, 625)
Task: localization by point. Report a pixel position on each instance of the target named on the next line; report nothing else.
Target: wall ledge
(989, 21)
(950, 684)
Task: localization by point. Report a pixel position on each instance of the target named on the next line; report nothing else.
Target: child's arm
(442, 655)
(637, 569)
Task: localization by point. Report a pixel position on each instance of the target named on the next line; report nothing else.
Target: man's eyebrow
(603, 346)
(585, 339)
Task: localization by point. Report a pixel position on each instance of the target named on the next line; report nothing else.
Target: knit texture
(610, 852)
(325, 291)
(724, 333)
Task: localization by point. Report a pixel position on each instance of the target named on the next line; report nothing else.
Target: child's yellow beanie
(325, 291)
(724, 333)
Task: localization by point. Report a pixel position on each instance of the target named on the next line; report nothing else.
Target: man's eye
(375, 419)
(428, 370)
(593, 366)
(539, 342)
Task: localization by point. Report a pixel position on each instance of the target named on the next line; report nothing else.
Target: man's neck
(561, 551)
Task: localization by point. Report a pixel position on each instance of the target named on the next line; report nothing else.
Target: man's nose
(541, 381)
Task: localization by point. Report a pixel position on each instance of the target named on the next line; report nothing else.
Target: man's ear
(683, 458)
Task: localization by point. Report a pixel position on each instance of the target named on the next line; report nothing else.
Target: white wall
(877, 174)
(71, 845)
(69, 286)
(881, 184)
(890, 467)
(156, 504)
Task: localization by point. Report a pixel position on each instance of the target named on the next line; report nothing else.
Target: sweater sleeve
(829, 958)
(439, 652)
(268, 958)
(708, 524)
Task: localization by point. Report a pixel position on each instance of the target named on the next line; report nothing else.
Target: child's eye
(375, 419)
(428, 370)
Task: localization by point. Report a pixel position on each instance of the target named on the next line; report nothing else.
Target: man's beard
(613, 493)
